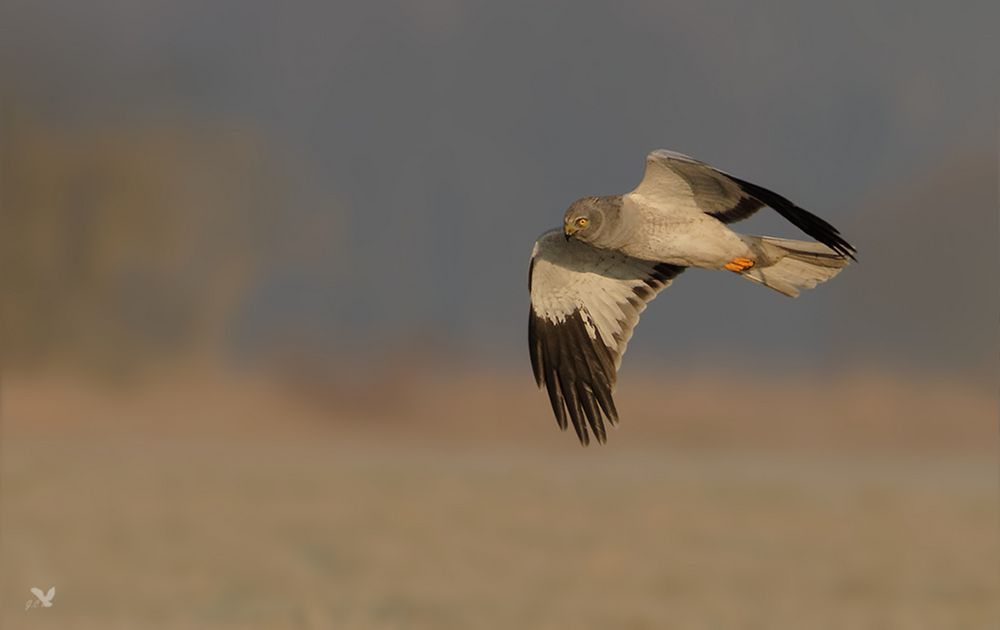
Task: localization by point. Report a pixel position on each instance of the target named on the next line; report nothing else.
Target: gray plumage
(590, 281)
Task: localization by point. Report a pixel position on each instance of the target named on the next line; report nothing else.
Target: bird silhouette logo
(45, 599)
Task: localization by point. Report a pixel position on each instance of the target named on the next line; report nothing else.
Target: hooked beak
(569, 230)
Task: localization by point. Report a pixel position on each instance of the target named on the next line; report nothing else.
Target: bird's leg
(739, 265)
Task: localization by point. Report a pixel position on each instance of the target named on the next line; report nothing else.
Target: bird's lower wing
(585, 302)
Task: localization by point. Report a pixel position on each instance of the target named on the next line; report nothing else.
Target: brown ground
(390, 501)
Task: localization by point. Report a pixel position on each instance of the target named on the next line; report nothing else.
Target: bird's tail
(797, 264)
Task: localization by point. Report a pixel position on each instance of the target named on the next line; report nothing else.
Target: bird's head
(583, 219)
(586, 218)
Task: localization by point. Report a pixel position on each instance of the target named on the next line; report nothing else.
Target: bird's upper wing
(585, 302)
(676, 181)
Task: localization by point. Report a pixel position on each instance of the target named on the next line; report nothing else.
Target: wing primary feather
(549, 356)
(567, 372)
(573, 405)
(801, 218)
(603, 388)
(590, 409)
(544, 355)
(555, 397)
(595, 381)
(602, 373)
(536, 348)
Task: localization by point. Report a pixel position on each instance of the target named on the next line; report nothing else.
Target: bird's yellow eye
(582, 222)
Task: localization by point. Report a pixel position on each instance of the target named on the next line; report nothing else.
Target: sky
(425, 145)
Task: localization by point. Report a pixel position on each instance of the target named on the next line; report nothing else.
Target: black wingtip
(801, 218)
(577, 374)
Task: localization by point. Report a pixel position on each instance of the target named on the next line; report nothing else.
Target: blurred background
(264, 318)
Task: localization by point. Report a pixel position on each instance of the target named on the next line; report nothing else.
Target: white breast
(681, 236)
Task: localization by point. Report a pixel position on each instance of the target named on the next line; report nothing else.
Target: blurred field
(201, 501)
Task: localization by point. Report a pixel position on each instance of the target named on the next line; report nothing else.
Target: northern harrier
(590, 281)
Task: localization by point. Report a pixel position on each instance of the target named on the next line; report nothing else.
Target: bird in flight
(590, 280)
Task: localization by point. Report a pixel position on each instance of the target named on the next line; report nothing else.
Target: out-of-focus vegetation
(788, 502)
(124, 240)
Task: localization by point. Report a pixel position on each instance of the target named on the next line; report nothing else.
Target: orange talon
(739, 265)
